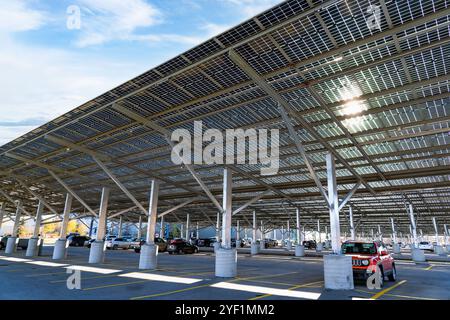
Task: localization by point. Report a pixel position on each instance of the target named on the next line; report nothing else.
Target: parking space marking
(47, 264)
(291, 288)
(169, 292)
(158, 277)
(428, 268)
(267, 291)
(382, 292)
(12, 259)
(93, 269)
(398, 295)
(45, 274)
(114, 285)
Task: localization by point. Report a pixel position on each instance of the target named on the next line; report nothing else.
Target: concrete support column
(299, 248)
(218, 226)
(149, 251)
(32, 249)
(119, 233)
(226, 256)
(352, 226)
(162, 229)
(238, 235)
(395, 245)
(289, 244)
(11, 244)
(97, 251)
(438, 249)
(319, 246)
(60, 249)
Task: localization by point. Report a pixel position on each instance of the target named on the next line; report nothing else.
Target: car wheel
(195, 250)
(393, 275)
(170, 252)
(114, 247)
(180, 251)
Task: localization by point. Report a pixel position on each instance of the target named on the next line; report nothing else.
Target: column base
(254, 249)
(338, 272)
(396, 248)
(148, 259)
(32, 249)
(299, 250)
(418, 255)
(97, 252)
(262, 245)
(238, 244)
(11, 245)
(289, 246)
(60, 249)
(319, 247)
(226, 263)
(440, 250)
(216, 245)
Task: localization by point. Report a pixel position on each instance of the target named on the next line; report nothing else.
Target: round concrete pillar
(32, 249)
(440, 251)
(396, 248)
(149, 257)
(299, 250)
(289, 246)
(216, 246)
(254, 248)
(448, 248)
(418, 255)
(319, 247)
(97, 252)
(226, 263)
(262, 245)
(60, 249)
(11, 245)
(238, 244)
(338, 272)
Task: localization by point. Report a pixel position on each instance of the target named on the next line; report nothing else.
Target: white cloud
(107, 20)
(16, 16)
(250, 8)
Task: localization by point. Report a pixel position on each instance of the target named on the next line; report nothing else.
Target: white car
(425, 245)
(118, 243)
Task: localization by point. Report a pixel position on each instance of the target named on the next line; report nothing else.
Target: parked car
(77, 241)
(89, 242)
(425, 245)
(118, 243)
(368, 258)
(3, 242)
(22, 243)
(181, 246)
(136, 243)
(310, 244)
(205, 242)
(269, 243)
(160, 242)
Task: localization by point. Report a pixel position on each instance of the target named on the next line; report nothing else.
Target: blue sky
(48, 69)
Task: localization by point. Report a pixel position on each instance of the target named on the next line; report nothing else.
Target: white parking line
(158, 277)
(14, 259)
(47, 264)
(267, 290)
(93, 269)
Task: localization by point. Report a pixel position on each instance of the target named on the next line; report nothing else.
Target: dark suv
(181, 246)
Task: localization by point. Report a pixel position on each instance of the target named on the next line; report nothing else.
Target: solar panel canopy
(322, 59)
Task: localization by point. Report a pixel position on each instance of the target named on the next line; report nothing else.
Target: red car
(368, 257)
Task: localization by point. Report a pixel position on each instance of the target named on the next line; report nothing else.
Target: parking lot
(186, 277)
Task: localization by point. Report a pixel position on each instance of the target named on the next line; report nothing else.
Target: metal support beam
(120, 185)
(66, 216)
(73, 193)
(14, 202)
(413, 225)
(436, 230)
(2, 214)
(35, 194)
(333, 204)
(227, 208)
(299, 232)
(394, 232)
(352, 226)
(103, 211)
(255, 227)
(139, 234)
(122, 212)
(349, 195)
(188, 227)
(175, 208)
(152, 212)
(119, 233)
(166, 134)
(250, 202)
(17, 217)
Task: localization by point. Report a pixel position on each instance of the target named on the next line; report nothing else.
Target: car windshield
(358, 248)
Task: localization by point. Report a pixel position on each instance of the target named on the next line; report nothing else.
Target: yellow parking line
(398, 296)
(382, 292)
(169, 292)
(428, 268)
(115, 285)
(291, 288)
